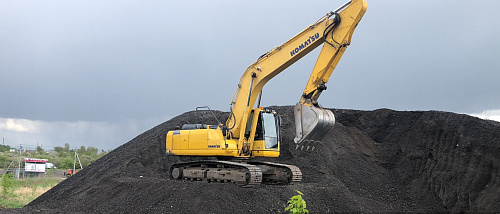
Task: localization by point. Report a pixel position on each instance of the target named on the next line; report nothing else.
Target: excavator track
(279, 173)
(242, 174)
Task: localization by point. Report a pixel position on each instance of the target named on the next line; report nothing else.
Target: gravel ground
(371, 161)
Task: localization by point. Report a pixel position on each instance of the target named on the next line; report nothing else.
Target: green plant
(6, 183)
(297, 205)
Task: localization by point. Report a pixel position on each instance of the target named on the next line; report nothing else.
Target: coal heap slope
(371, 161)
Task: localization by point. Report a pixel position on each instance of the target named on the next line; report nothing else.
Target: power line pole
(74, 164)
(19, 163)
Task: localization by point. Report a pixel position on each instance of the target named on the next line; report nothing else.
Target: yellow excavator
(252, 131)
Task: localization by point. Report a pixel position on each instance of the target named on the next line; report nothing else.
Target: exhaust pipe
(311, 123)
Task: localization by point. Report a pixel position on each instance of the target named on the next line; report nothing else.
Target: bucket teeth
(307, 145)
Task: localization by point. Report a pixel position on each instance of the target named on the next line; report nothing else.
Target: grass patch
(26, 190)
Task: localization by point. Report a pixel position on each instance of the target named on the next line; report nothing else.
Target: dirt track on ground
(371, 161)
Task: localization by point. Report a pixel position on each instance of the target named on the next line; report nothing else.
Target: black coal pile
(371, 161)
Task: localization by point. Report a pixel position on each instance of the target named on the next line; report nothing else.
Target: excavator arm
(334, 32)
(335, 43)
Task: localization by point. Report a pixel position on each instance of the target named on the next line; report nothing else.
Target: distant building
(35, 165)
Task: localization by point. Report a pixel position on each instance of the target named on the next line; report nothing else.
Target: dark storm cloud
(114, 61)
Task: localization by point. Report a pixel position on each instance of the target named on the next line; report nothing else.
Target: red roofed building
(35, 165)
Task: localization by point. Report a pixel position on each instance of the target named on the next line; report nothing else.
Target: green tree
(56, 161)
(39, 150)
(92, 150)
(62, 154)
(81, 150)
(4, 161)
(86, 160)
(4, 148)
(6, 183)
(58, 149)
(66, 164)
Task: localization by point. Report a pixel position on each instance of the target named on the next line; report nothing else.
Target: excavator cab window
(259, 135)
(270, 130)
(248, 128)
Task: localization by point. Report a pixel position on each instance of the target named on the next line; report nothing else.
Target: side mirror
(279, 119)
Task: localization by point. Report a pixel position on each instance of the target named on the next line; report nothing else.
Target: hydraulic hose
(331, 28)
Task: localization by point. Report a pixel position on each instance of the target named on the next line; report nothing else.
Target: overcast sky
(98, 73)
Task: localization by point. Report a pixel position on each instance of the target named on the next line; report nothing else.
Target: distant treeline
(61, 157)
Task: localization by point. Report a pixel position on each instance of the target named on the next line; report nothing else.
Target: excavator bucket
(311, 124)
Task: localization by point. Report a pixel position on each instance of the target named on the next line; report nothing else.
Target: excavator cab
(262, 132)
